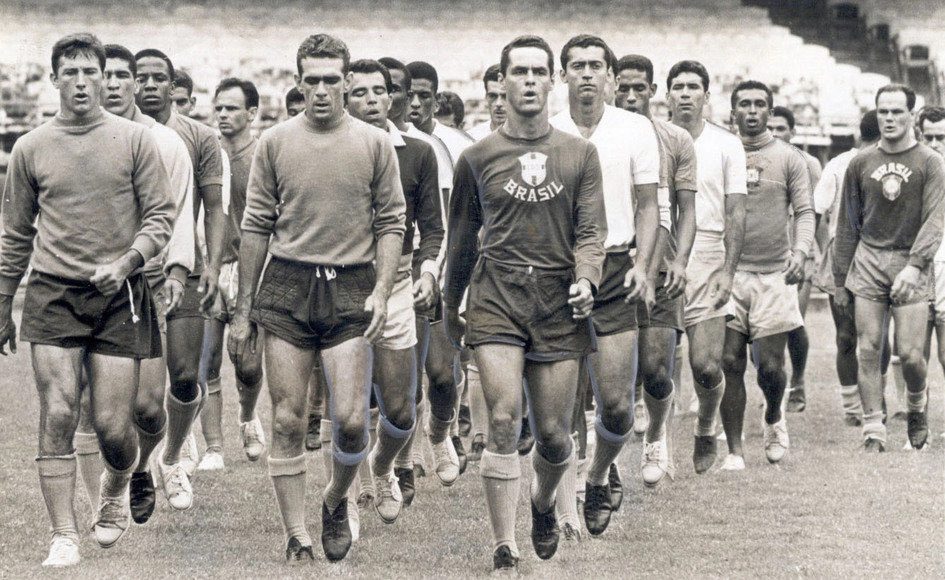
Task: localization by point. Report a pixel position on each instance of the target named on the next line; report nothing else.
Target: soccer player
(450, 110)
(537, 194)
(931, 123)
(889, 231)
(86, 204)
(185, 324)
(661, 326)
(235, 103)
(495, 101)
(629, 153)
(781, 124)
(320, 295)
(395, 362)
(294, 102)
(779, 231)
(720, 230)
(182, 95)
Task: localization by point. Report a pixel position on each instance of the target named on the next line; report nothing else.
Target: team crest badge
(892, 186)
(533, 167)
(754, 176)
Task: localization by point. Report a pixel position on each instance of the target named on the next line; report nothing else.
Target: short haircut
(898, 88)
(491, 75)
(688, 66)
(76, 44)
(587, 41)
(183, 80)
(423, 70)
(635, 62)
(932, 114)
(869, 126)
(293, 96)
(528, 40)
(120, 52)
(368, 66)
(323, 46)
(155, 53)
(784, 113)
(394, 64)
(250, 94)
(749, 85)
(449, 103)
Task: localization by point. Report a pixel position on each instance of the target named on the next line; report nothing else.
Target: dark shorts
(611, 314)
(74, 314)
(525, 307)
(313, 307)
(665, 313)
(189, 306)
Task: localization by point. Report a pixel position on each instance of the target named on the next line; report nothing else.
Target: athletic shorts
(666, 313)
(612, 315)
(526, 307)
(189, 306)
(873, 271)
(73, 313)
(763, 305)
(311, 306)
(938, 298)
(824, 277)
(400, 332)
(700, 306)
(228, 286)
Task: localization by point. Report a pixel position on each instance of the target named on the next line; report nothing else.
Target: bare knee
(504, 430)
(706, 373)
(554, 444)
(350, 434)
(287, 425)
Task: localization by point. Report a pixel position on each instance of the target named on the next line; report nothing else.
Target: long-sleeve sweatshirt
(419, 181)
(81, 193)
(778, 185)
(539, 201)
(324, 195)
(891, 201)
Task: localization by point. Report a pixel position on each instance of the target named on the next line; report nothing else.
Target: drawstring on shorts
(131, 303)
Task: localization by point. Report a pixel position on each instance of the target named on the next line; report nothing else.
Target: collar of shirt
(396, 137)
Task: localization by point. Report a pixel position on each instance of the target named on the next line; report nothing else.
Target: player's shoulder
(720, 133)
(627, 118)
(417, 146)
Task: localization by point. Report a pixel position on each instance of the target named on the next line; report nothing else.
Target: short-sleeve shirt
(721, 169)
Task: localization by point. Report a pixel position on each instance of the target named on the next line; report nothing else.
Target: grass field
(828, 511)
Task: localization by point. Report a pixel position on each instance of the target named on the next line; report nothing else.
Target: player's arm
(685, 237)
(736, 190)
(929, 237)
(180, 250)
(647, 222)
(849, 221)
(799, 189)
(429, 217)
(210, 193)
(590, 231)
(463, 225)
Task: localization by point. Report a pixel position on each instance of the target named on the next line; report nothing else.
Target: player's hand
(905, 285)
(635, 283)
(794, 269)
(207, 288)
(377, 306)
(423, 290)
(720, 287)
(108, 278)
(581, 299)
(649, 297)
(171, 294)
(843, 300)
(7, 326)
(241, 342)
(676, 280)
(455, 326)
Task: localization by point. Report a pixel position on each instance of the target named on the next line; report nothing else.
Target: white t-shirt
(827, 191)
(629, 155)
(480, 131)
(721, 167)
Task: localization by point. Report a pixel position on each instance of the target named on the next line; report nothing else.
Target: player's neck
(427, 126)
(400, 124)
(161, 116)
(234, 143)
(695, 126)
(899, 146)
(531, 127)
(587, 115)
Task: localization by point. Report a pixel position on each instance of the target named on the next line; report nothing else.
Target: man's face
(528, 80)
(79, 82)
(586, 73)
(780, 128)
(233, 118)
(895, 120)
(398, 94)
(934, 135)
(686, 96)
(184, 102)
(154, 85)
(120, 88)
(421, 102)
(495, 98)
(634, 92)
(323, 83)
(368, 99)
(751, 112)
(295, 107)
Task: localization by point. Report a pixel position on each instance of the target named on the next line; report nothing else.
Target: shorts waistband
(529, 270)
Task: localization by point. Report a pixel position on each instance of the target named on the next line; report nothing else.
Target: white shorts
(400, 332)
(763, 305)
(938, 299)
(700, 306)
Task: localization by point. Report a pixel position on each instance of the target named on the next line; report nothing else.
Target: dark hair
(423, 70)
(323, 46)
(391, 64)
(528, 40)
(250, 94)
(491, 75)
(155, 53)
(120, 52)
(898, 88)
(367, 66)
(587, 41)
(869, 126)
(293, 96)
(785, 113)
(688, 66)
(635, 62)
(183, 80)
(75, 44)
(449, 103)
(932, 114)
(749, 85)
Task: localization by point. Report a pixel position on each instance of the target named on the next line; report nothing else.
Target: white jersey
(827, 193)
(481, 131)
(629, 155)
(721, 170)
